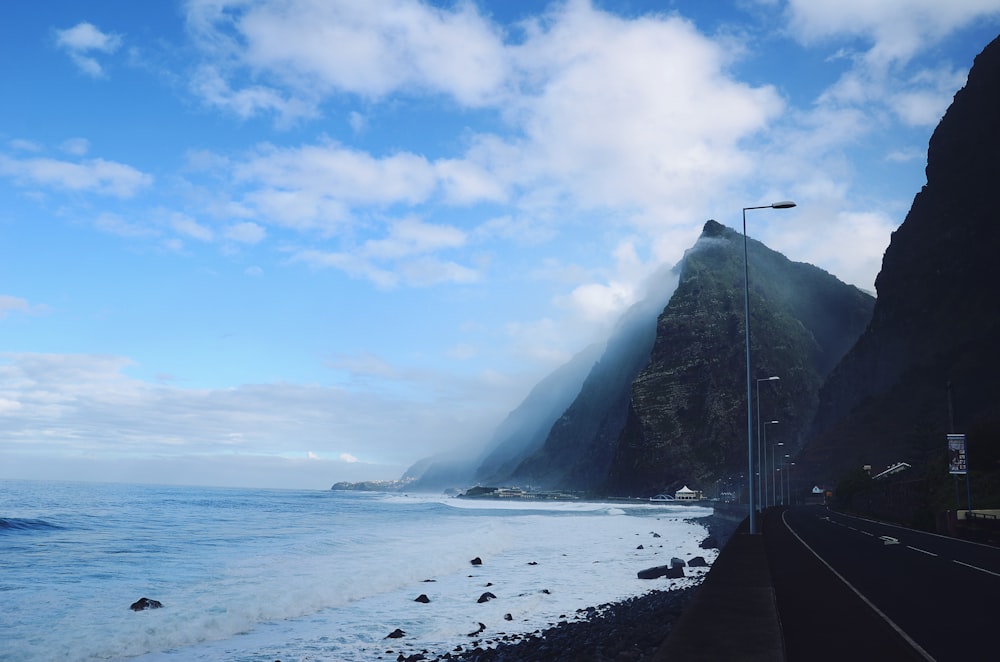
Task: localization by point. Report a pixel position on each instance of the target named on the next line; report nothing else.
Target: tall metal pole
(791, 495)
(759, 464)
(763, 469)
(774, 485)
(746, 325)
(760, 446)
(763, 466)
(746, 328)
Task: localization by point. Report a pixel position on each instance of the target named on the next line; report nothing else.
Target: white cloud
(313, 187)
(897, 29)
(209, 84)
(402, 256)
(87, 405)
(82, 41)
(94, 175)
(246, 233)
(189, 227)
(11, 304)
(414, 237)
(381, 46)
(115, 224)
(76, 146)
(21, 145)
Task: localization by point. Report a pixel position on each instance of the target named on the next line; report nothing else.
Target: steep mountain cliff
(579, 446)
(686, 421)
(935, 330)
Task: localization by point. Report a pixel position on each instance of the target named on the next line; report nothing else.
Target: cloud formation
(83, 42)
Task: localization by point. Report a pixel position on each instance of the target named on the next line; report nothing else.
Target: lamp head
(784, 204)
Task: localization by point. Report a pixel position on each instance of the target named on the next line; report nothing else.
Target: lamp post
(760, 449)
(791, 499)
(746, 311)
(763, 464)
(784, 465)
(774, 483)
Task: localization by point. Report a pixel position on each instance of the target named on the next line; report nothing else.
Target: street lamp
(760, 450)
(763, 464)
(774, 483)
(786, 204)
(791, 498)
(784, 464)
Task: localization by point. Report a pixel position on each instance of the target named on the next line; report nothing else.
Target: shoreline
(633, 629)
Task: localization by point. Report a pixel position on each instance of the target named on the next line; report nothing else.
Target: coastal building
(687, 494)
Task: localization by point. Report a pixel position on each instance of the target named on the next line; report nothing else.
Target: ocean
(264, 575)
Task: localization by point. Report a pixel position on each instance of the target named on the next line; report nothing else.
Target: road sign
(957, 463)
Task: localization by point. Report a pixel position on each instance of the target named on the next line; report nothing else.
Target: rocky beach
(631, 630)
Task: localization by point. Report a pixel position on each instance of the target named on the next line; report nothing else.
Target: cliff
(928, 361)
(686, 420)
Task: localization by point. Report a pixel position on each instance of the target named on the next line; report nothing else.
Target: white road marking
(976, 567)
(922, 551)
(917, 647)
(889, 540)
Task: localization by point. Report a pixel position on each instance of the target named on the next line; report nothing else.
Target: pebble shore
(627, 631)
(632, 630)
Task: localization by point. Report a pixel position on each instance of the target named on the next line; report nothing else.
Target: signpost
(958, 463)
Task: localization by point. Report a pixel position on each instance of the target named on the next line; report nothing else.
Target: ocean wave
(22, 524)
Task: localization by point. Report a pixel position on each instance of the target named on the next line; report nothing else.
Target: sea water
(253, 574)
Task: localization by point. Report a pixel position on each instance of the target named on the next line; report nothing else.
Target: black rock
(661, 571)
(395, 634)
(709, 543)
(145, 603)
(482, 626)
(476, 561)
(698, 562)
(422, 598)
(486, 597)
(677, 563)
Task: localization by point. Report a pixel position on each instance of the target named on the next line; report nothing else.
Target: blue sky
(291, 242)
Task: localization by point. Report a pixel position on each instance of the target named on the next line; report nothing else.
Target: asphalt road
(854, 589)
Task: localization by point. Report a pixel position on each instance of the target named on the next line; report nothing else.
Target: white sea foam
(267, 575)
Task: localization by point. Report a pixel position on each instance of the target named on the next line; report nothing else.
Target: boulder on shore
(486, 597)
(698, 562)
(661, 571)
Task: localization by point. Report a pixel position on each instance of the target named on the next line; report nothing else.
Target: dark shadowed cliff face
(686, 421)
(937, 319)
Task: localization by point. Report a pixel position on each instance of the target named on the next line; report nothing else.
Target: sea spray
(270, 574)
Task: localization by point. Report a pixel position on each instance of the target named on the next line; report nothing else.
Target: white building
(687, 494)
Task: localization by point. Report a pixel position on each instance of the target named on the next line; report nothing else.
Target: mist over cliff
(687, 412)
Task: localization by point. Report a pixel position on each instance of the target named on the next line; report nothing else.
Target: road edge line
(907, 638)
(907, 528)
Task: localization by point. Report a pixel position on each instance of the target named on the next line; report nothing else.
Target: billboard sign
(956, 454)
